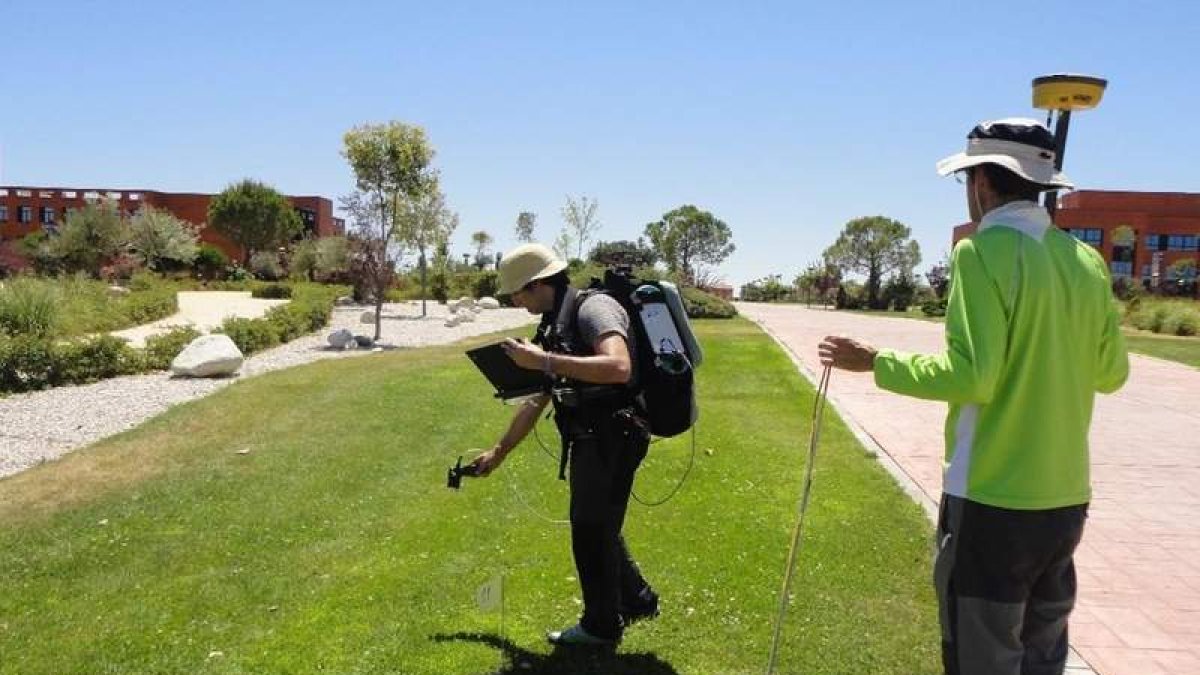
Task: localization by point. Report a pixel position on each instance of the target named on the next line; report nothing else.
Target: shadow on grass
(564, 659)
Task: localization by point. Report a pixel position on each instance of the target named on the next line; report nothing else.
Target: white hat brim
(1042, 173)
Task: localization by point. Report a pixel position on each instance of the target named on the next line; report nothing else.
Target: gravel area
(41, 426)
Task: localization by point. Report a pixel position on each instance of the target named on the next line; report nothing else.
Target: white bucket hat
(525, 264)
(1023, 146)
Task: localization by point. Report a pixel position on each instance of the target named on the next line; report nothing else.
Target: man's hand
(847, 354)
(525, 354)
(488, 462)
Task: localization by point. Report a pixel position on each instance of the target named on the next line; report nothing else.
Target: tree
(482, 241)
(819, 278)
(875, 246)
(633, 253)
(255, 217)
(938, 277)
(391, 163)
(526, 221)
(425, 223)
(564, 243)
(90, 237)
(582, 222)
(687, 237)
(159, 239)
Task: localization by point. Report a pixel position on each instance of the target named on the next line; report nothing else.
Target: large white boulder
(489, 303)
(466, 317)
(454, 320)
(367, 317)
(208, 356)
(338, 339)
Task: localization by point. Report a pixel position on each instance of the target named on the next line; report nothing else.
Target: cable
(794, 551)
(679, 485)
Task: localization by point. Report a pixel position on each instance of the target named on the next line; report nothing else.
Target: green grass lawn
(333, 545)
(1184, 350)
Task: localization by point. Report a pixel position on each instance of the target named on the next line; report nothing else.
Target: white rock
(454, 320)
(367, 317)
(208, 356)
(338, 339)
(344, 301)
(118, 290)
(476, 309)
(489, 303)
(466, 317)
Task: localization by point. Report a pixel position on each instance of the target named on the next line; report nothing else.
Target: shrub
(26, 363)
(899, 293)
(272, 292)
(333, 259)
(486, 285)
(934, 307)
(265, 265)
(30, 306)
(210, 261)
(236, 272)
(302, 261)
(439, 287)
(250, 335)
(162, 241)
(12, 260)
(701, 305)
(161, 349)
(95, 358)
(1181, 319)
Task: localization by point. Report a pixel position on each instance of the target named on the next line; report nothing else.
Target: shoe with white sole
(577, 636)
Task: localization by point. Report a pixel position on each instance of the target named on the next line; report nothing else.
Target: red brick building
(1166, 226)
(28, 209)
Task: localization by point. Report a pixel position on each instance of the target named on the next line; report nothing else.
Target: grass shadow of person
(575, 660)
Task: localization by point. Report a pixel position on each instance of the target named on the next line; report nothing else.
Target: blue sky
(784, 119)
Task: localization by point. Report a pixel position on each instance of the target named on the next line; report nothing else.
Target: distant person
(1032, 333)
(586, 348)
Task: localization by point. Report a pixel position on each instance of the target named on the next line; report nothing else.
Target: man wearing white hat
(585, 348)
(1032, 333)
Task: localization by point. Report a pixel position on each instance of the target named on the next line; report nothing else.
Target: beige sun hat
(1023, 146)
(526, 263)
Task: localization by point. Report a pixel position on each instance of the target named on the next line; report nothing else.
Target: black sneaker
(642, 611)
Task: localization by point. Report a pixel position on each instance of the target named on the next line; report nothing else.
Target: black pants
(605, 452)
(1005, 583)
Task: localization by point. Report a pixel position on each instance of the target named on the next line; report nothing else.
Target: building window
(1182, 242)
(1146, 272)
(1089, 235)
(1152, 242)
(24, 193)
(3, 214)
(91, 194)
(69, 194)
(1122, 269)
(3, 192)
(24, 214)
(47, 215)
(134, 196)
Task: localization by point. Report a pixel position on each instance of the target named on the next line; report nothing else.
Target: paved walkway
(204, 311)
(1139, 563)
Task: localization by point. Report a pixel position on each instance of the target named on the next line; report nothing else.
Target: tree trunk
(424, 293)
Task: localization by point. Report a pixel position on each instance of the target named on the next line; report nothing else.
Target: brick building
(28, 209)
(1166, 227)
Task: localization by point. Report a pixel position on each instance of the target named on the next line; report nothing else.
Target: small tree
(161, 240)
(582, 222)
(687, 237)
(875, 246)
(633, 253)
(254, 216)
(564, 244)
(526, 221)
(333, 259)
(938, 277)
(899, 292)
(90, 237)
(424, 222)
(482, 241)
(391, 163)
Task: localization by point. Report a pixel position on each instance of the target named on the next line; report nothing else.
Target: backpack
(666, 350)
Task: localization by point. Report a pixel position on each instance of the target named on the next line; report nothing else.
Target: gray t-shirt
(600, 315)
